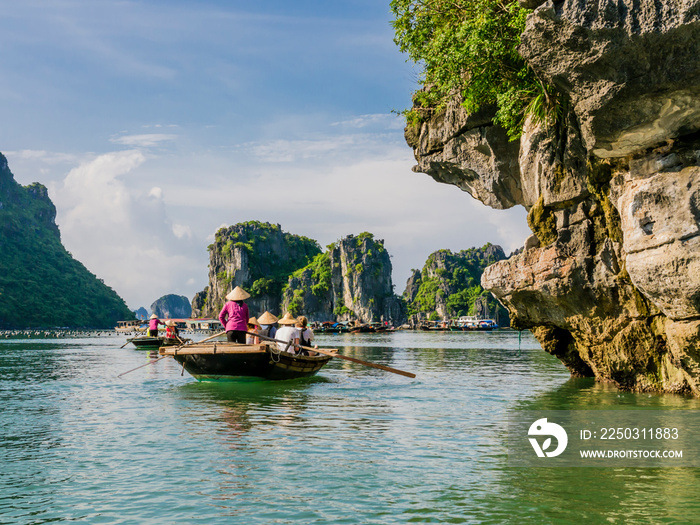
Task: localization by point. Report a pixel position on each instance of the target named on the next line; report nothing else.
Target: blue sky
(153, 123)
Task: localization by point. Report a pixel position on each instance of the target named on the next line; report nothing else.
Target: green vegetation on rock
(41, 285)
(469, 47)
(449, 284)
(260, 241)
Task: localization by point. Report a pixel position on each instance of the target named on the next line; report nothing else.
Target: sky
(153, 123)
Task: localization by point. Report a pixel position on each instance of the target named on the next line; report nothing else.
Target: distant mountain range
(42, 286)
(351, 280)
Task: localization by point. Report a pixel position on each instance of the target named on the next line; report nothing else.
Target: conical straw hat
(288, 319)
(267, 318)
(237, 294)
(253, 321)
(154, 316)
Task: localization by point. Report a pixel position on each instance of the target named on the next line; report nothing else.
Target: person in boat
(234, 315)
(253, 328)
(306, 335)
(267, 323)
(288, 333)
(171, 330)
(153, 325)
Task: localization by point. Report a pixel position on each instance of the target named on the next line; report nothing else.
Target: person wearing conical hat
(267, 323)
(234, 315)
(153, 325)
(253, 328)
(171, 331)
(288, 333)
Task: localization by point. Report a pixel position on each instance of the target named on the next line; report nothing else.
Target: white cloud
(145, 140)
(123, 234)
(384, 120)
(47, 157)
(363, 187)
(182, 231)
(147, 237)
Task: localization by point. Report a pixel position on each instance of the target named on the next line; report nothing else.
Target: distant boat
(331, 328)
(466, 324)
(129, 326)
(435, 326)
(223, 361)
(483, 325)
(362, 328)
(147, 341)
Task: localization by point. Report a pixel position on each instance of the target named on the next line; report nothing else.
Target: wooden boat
(361, 329)
(146, 341)
(129, 326)
(223, 361)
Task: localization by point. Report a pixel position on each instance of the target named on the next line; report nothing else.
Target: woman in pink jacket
(234, 315)
(153, 325)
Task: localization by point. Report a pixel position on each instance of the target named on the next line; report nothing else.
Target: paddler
(234, 315)
(171, 332)
(153, 325)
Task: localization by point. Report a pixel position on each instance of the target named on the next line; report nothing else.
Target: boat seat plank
(213, 348)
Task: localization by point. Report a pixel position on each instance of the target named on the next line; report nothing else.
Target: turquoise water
(351, 445)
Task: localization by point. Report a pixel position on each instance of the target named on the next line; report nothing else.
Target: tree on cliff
(449, 286)
(470, 47)
(257, 256)
(350, 281)
(41, 285)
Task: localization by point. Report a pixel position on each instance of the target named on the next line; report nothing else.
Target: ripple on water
(352, 445)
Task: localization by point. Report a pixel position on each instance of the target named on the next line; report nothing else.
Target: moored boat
(223, 361)
(133, 325)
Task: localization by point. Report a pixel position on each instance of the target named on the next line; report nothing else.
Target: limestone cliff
(41, 285)
(610, 280)
(350, 281)
(172, 306)
(257, 256)
(449, 286)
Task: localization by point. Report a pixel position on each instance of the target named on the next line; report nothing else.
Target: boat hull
(152, 342)
(239, 362)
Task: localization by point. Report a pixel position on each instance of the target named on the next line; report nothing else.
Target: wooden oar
(210, 338)
(184, 343)
(149, 363)
(339, 356)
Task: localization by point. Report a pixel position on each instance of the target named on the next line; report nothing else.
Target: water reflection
(587, 394)
(350, 445)
(594, 494)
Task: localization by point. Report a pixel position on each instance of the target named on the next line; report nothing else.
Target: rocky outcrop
(172, 306)
(630, 68)
(449, 286)
(35, 266)
(257, 256)
(351, 281)
(610, 281)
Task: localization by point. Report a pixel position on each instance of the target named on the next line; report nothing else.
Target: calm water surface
(351, 445)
